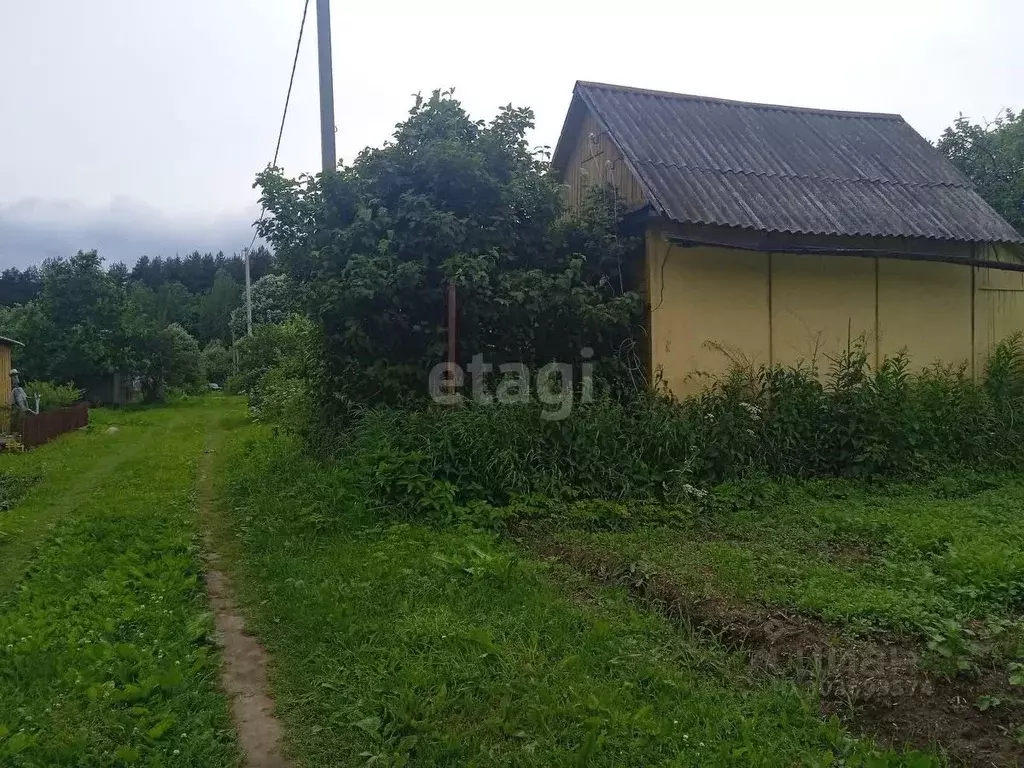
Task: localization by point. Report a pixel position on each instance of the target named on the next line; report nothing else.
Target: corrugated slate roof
(787, 169)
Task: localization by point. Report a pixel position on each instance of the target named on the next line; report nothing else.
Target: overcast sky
(137, 126)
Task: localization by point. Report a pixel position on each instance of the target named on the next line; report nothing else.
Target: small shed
(777, 233)
(111, 389)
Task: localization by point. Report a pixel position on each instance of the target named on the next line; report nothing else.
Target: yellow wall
(709, 306)
(998, 305)
(925, 307)
(819, 305)
(5, 375)
(597, 161)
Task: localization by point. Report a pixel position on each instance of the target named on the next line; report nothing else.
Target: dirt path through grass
(244, 661)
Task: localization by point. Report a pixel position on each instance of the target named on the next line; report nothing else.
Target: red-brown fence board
(38, 428)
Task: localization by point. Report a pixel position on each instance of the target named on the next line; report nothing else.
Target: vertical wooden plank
(5, 375)
(598, 162)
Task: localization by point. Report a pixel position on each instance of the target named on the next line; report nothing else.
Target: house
(778, 233)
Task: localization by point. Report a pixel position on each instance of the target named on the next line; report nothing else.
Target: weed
(729, 448)
(13, 486)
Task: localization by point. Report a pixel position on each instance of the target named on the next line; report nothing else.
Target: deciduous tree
(991, 155)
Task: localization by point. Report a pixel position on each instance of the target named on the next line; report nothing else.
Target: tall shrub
(175, 363)
(216, 362)
(373, 248)
(52, 395)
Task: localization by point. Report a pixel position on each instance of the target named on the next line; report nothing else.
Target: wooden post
(452, 319)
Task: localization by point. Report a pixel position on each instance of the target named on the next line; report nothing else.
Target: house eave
(871, 246)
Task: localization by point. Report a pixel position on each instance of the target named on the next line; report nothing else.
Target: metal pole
(248, 297)
(323, 44)
(452, 323)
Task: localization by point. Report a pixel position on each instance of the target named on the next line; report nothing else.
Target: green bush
(283, 345)
(372, 250)
(275, 369)
(216, 362)
(176, 364)
(52, 395)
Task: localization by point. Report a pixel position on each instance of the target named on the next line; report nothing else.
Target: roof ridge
(803, 176)
(739, 103)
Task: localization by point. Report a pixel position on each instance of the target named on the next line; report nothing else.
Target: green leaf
(160, 728)
(126, 754)
(369, 724)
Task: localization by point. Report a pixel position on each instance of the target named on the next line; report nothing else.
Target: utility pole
(323, 44)
(248, 297)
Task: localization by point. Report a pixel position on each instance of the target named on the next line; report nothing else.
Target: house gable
(770, 168)
(587, 156)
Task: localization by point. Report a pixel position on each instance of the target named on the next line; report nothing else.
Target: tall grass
(852, 420)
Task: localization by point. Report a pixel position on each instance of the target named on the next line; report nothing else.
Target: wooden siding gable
(587, 155)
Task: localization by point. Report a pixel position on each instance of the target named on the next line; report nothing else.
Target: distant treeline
(196, 272)
(168, 323)
(198, 291)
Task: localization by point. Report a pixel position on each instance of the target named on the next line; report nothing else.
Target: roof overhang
(973, 254)
(10, 342)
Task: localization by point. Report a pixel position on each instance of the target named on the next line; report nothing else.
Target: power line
(291, 81)
(277, 150)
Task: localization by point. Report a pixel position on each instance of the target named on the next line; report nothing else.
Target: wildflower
(697, 493)
(752, 410)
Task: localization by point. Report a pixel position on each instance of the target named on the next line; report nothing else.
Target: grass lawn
(105, 656)
(400, 644)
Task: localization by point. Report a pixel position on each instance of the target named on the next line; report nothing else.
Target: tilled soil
(876, 687)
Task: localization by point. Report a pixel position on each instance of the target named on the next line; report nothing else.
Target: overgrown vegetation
(52, 395)
(440, 463)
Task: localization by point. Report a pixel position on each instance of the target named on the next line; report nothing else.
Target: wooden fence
(38, 428)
